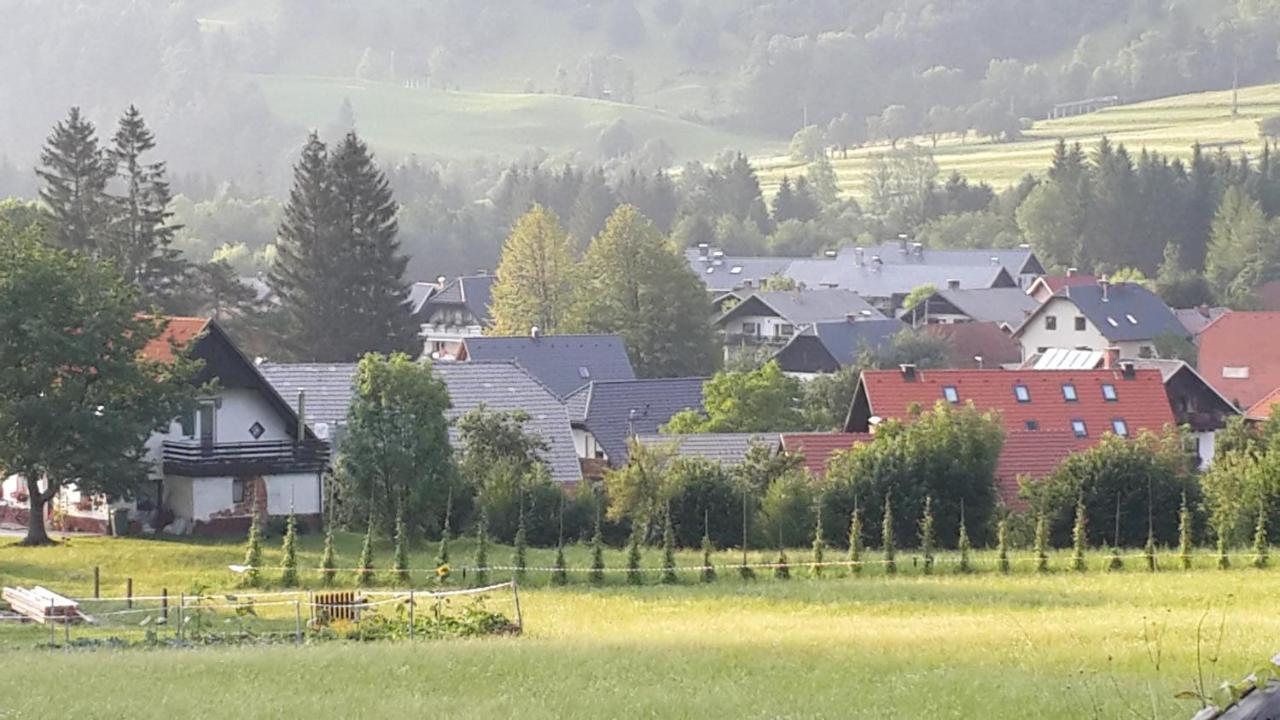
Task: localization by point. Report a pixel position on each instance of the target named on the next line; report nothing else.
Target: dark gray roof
(728, 449)
(1195, 319)
(1018, 261)
(563, 363)
(1123, 311)
(885, 281)
(473, 292)
(499, 385)
(725, 273)
(615, 409)
(803, 307)
(1003, 306)
(826, 347)
(419, 293)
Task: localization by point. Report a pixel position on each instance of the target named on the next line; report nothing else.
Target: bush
(705, 495)
(786, 514)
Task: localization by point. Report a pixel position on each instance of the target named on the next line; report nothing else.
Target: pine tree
(633, 560)
(855, 541)
(782, 202)
(520, 555)
(289, 553)
(535, 276)
(139, 237)
(75, 172)
(1184, 534)
(328, 560)
(1042, 543)
(668, 549)
(964, 546)
(1002, 546)
(1261, 546)
(597, 553)
(1078, 538)
(364, 569)
(482, 550)
(559, 575)
(253, 553)
(886, 538)
(927, 535)
(819, 545)
(442, 554)
(400, 562)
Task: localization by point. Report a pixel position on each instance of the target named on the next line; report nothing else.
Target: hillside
(1170, 126)
(400, 121)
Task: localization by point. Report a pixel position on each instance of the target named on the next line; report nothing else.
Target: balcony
(743, 339)
(191, 459)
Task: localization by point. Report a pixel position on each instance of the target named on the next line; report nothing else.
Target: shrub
(927, 536)
(819, 546)
(364, 570)
(596, 576)
(787, 510)
(1149, 552)
(855, 542)
(1115, 561)
(1184, 534)
(633, 560)
(781, 570)
(442, 553)
(520, 553)
(704, 495)
(886, 538)
(708, 569)
(253, 553)
(1260, 544)
(1078, 539)
(668, 551)
(400, 562)
(328, 560)
(559, 575)
(289, 553)
(962, 544)
(482, 551)
(1002, 545)
(1042, 544)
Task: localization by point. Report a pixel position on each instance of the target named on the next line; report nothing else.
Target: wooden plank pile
(42, 605)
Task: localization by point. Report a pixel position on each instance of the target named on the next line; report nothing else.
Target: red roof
(1261, 410)
(1140, 399)
(1054, 283)
(818, 448)
(1240, 355)
(178, 331)
(970, 339)
(1034, 455)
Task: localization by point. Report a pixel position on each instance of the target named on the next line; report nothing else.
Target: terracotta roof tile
(179, 332)
(1261, 410)
(1240, 355)
(1034, 455)
(818, 448)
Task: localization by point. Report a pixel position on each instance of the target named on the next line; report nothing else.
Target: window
(1146, 351)
(1069, 392)
(1109, 393)
(1081, 323)
(1236, 373)
(1022, 393)
(188, 423)
(786, 330)
(1078, 427)
(1112, 322)
(1032, 425)
(749, 328)
(1050, 322)
(584, 372)
(1132, 320)
(237, 491)
(735, 270)
(207, 413)
(1119, 427)
(950, 393)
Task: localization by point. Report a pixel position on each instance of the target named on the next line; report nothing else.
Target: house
(1240, 355)
(773, 318)
(498, 385)
(1196, 319)
(818, 449)
(459, 309)
(1006, 307)
(563, 363)
(1261, 410)
(1126, 316)
(725, 449)
(606, 414)
(1046, 286)
(722, 274)
(1088, 403)
(1020, 262)
(1194, 401)
(241, 452)
(1030, 456)
(828, 346)
(977, 345)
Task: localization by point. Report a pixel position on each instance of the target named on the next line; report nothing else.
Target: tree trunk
(36, 534)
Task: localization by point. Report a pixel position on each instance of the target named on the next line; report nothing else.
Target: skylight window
(1022, 393)
(1109, 393)
(1132, 320)
(1069, 392)
(1120, 427)
(583, 372)
(1079, 428)
(951, 394)
(1112, 322)
(1032, 425)
(735, 270)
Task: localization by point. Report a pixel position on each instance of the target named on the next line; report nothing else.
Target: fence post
(515, 591)
(412, 603)
(182, 620)
(297, 622)
(48, 618)
(96, 579)
(164, 604)
(128, 592)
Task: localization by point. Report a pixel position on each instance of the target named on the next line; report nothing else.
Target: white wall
(1035, 335)
(299, 492)
(767, 325)
(178, 496)
(585, 443)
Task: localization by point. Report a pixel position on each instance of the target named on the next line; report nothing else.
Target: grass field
(1063, 645)
(1168, 125)
(401, 121)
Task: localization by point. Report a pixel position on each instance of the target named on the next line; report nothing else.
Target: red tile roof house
(1240, 355)
(241, 453)
(1046, 286)
(817, 449)
(1047, 414)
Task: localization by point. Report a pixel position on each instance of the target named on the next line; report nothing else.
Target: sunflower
(442, 571)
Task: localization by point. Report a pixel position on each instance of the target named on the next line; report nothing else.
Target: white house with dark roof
(606, 414)
(1006, 307)
(773, 318)
(1125, 316)
(451, 313)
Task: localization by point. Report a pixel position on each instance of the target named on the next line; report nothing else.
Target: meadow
(1062, 644)
(1170, 126)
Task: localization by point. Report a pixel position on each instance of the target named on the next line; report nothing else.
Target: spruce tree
(139, 237)
(520, 555)
(633, 560)
(886, 538)
(482, 551)
(1184, 534)
(253, 553)
(1261, 546)
(364, 568)
(559, 574)
(1042, 543)
(75, 172)
(927, 535)
(1002, 545)
(819, 545)
(964, 546)
(596, 576)
(668, 549)
(1078, 538)
(328, 560)
(289, 553)
(855, 541)
(535, 276)
(400, 563)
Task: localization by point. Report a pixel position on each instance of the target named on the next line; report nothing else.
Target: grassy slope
(398, 120)
(1169, 125)
(1059, 645)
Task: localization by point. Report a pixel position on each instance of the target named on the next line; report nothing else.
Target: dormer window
(1069, 392)
(951, 394)
(1022, 393)
(1109, 393)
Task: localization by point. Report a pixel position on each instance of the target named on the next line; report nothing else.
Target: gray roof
(727, 273)
(1121, 311)
(473, 292)
(803, 307)
(563, 363)
(419, 293)
(499, 385)
(1195, 319)
(1003, 306)
(1018, 261)
(885, 281)
(827, 346)
(613, 410)
(727, 449)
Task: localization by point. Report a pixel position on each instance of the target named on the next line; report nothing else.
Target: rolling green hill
(401, 121)
(1169, 126)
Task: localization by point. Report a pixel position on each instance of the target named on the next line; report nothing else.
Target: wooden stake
(96, 582)
(128, 592)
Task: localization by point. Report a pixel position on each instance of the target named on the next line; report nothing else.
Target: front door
(208, 421)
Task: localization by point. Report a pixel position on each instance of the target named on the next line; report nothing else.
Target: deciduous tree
(535, 276)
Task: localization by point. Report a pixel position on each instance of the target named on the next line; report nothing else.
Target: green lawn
(984, 645)
(1167, 125)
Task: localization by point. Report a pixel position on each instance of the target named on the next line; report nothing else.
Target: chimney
(302, 414)
(876, 262)
(902, 243)
(534, 332)
(953, 284)
(979, 362)
(704, 249)
(829, 254)
(440, 280)
(995, 260)
(1105, 284)
(858, 256)
(1111, 358)
(1071, 272)
(917, 249)
(908, 372)
(1128, 370)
